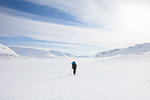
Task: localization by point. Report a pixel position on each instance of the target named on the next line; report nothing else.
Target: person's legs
(74, 71)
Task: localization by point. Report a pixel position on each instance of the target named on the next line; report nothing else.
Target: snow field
(116, 78)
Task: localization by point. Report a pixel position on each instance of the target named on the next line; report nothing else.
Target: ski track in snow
(121, 78)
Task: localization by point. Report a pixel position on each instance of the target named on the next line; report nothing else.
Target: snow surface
(115, 78)
(137, 49)
(6, 52)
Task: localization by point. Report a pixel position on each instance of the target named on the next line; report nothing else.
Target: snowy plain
(113, 78)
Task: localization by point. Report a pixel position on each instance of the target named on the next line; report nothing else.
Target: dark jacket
(74, 65)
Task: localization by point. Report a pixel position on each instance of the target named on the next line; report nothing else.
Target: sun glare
(136, 16)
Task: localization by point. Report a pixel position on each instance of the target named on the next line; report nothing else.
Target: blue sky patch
(26, 41)
(43, 13)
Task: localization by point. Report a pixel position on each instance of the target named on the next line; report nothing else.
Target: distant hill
(137, 49)
(32, 52)
(6, 52)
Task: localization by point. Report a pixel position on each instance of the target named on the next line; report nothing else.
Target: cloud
(89, 11)
(15, 26)
(117, 15)
(111, 23)
(38, 12)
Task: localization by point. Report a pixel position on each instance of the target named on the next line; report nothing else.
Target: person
(74, 67)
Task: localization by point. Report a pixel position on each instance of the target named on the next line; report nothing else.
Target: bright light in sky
(136, 16)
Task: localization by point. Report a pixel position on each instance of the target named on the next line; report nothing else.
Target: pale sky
(76, 26)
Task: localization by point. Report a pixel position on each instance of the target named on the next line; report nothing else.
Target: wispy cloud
(74, 48)
(107, 23)
(127, 20)
(106, 13)
(15, 26)
(38, 12)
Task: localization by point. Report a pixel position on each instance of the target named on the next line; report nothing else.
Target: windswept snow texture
(31, 52)
(137, 49)
(6, 52)
(118, 78)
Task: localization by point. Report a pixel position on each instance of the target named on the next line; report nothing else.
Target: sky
(80, 27)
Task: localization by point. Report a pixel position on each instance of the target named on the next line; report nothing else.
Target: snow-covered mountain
(137, 49)
(32, 52)
(6, 52)
(58, 53)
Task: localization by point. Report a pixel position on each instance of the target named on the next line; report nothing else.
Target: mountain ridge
(136, 49)
(37, 53)
(6, 52)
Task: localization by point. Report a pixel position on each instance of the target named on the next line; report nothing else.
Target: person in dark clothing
(74, 67)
